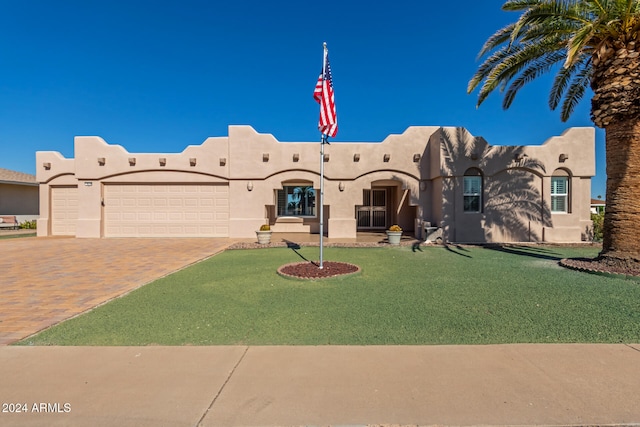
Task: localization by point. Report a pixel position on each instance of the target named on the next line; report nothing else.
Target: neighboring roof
(10, 176)
(598, 202)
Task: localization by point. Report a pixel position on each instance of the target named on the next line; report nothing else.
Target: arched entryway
(384, 203)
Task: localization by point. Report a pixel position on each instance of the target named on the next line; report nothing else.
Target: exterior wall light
(249, 185)
(132, 161)
(163, 161)
(192, 161)
(101, 161)
(341, 186)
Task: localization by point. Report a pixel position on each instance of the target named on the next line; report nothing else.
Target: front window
(472, 193)
(559, 194)
(297, 200)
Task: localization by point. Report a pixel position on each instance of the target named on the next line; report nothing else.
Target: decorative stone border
(255, 245)
(316, 273)
(567, 263)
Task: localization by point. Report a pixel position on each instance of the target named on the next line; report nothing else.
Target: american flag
(323, 94)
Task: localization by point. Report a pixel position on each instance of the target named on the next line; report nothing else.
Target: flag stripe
(323, 94)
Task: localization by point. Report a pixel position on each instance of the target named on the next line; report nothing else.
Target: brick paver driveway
(46, 280)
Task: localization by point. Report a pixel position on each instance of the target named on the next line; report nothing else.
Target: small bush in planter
(395, 227)
(264, 234)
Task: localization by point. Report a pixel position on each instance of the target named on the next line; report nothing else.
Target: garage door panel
(64, 211)
(147, 210)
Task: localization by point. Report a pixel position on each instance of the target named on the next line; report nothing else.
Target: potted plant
(394, 234)
(264, 234)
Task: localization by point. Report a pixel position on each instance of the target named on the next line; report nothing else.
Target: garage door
(64, 211)
(166, 210)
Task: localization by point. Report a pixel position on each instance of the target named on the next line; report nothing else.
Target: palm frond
(498, 38)
(512, 62)
(549, 33)
(575, 92)
(515, 5)
(487, 66)
(578, 42)
(531, 73)
(560, 84)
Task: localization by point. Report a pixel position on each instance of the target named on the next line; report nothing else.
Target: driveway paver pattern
(46, 280)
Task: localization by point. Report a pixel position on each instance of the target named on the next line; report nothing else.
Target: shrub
(265, 227)
(395, 227)
(598, 221)
(30, 225)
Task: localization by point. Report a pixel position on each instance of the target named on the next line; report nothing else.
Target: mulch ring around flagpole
(311, 271)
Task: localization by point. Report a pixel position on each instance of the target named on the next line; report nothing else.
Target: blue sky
(158, 76)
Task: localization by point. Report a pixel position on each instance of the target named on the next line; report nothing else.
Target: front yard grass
(17, 236)
(454, 295)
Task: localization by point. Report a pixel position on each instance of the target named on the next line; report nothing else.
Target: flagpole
(323, 138)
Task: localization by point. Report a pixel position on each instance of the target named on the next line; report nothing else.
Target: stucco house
(598, 206)
(444, 178)
(18, 194)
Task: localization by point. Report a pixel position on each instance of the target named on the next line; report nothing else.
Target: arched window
(560, 192)
(472, 190)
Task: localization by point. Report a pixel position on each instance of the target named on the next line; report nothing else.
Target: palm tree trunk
(621, 240)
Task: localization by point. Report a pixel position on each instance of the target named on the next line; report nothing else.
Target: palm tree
(583, 42)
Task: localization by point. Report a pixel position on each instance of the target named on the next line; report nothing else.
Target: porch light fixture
(519, 157)
(46, 165)
(563, 157)
(249, 185)
(423, 185)
(296, 157)
(341, 186)
(101, 161)
(356, 157)
(386, 158)
(223, 161)
(265, 157)
(192, 161)
(163, 161)
(416, 157)
(326, 157)
(132, 161)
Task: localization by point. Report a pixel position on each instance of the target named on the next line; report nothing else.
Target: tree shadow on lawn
(525, 250)
(457, 249)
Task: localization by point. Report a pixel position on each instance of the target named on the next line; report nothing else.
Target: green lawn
(455, 295)
(17, 236)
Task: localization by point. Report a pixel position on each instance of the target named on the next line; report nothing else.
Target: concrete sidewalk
(518, 384)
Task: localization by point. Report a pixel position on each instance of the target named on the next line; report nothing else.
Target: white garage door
(149, 210)
(64, 211)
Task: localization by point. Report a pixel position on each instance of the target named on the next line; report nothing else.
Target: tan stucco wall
(516, 187)
(422, 176)
(19, 199)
